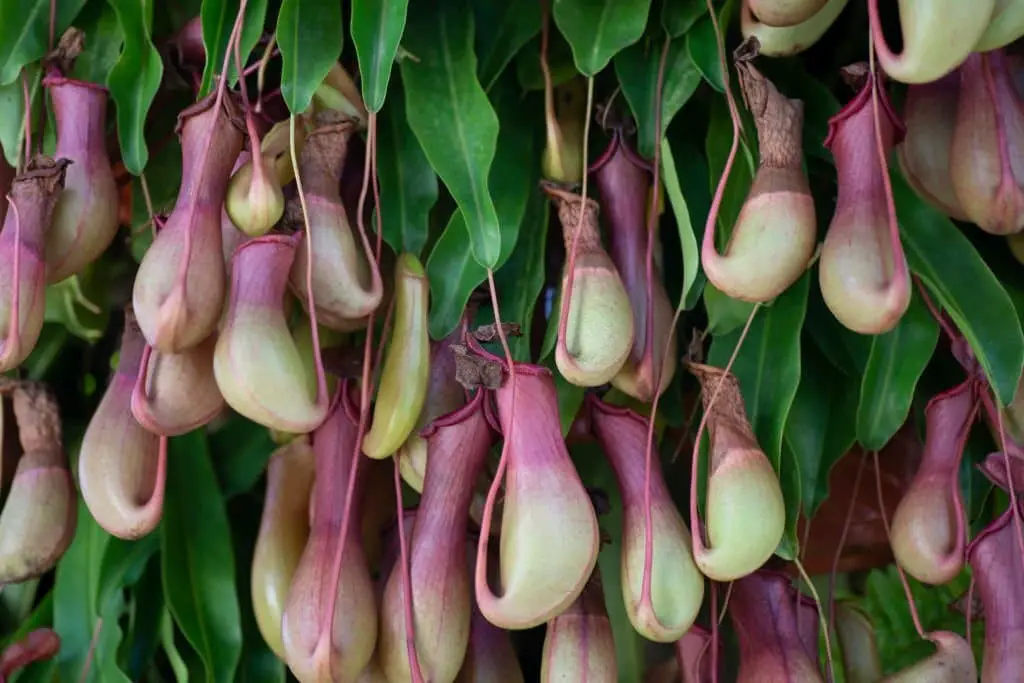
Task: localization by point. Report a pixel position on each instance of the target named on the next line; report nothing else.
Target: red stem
(915, 617)
(652, 219)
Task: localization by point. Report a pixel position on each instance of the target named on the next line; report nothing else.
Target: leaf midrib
(26, 28)
(446, 57)
(882, 388)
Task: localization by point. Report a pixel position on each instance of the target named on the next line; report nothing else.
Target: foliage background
(459, 91)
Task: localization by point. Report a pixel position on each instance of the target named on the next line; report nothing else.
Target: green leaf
(560, 63)
(570, 399)
(408, 184)
(637, 70)
(820, 427)
(252, 30)
(103, 39)
(792, 494)
(177, 661)
(377, 27)
(945, 260)
(521, 279)
(123, 564)
(895, 365)
(598, 29)
(716, 145)
(25, 31)
(243, 449)
(502, 31)
(684, 224)
(147, 609)
(107, 642)
(310, 37)
(702, 46)
(725, 314)
(76, 608)
(453, 276)
(846, 350)
(12, 112)
(197, 559)
(218, 19)
(448, 111)
(768, 365)
(133, 82)
(677, 16)
(452, 272)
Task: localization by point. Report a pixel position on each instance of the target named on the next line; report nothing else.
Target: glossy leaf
(820, 426)
(104, 36)
(703, 48)
(768, 365)
(217, 21)
(791, 483)
(725, 314)
(684, 225)
(570, 397)
(197, 559)
(521, 279)
(218, 18)
(502, 29)
(123, 564)
(377, 27)
(408, 184)
(252, 30)
(847, 351)
(12, 111)
(679, 15)
(310, 37)
(243, 450)
(109, 638)
(598, 29)
(134, 81)
(448, 111)
(25, 31)
(452, 271)
(178, 665)
(958, 278)
(76, 608)
(637, 70)
(560, 63)
(716, 147)
(895, 365)
(143, 637)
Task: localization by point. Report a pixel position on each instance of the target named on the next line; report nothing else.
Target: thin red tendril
(695, 528)
(646, 594)
(480, 577)
(186, 257)
(915, 617)
(734, 114)
(842, 540)
(28, 118)
(369, 168)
